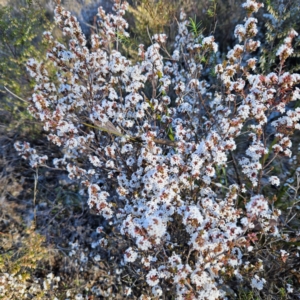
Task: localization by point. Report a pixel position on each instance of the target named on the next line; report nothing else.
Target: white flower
(274, 180)
(110, 164)
(130, 161)
(127, 291)
(83, 258)
(130, 255)
(258, 206)
(289, 288)
(157, 291)
(240, 32)
(258, 283)
(152, 277)
(209, 41)
(251, 5)
(160, 38)
(97, 257)
(284, 51)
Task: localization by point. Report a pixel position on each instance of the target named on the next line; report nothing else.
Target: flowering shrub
(148, 142)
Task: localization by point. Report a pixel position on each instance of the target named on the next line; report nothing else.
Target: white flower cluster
(252, 6)
(285, 50)
(20, 288)
(163, 151)
(29, 153)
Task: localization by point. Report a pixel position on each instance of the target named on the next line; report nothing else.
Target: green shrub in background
(21, 26)
(279, 18)
(218, 17)
(152, 16)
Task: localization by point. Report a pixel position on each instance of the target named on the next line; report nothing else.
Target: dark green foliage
(195, 27)
(281, 16)
(21, 26)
